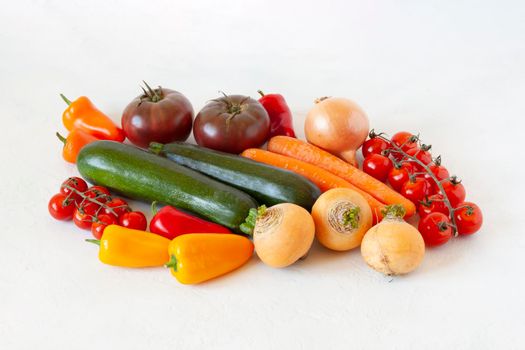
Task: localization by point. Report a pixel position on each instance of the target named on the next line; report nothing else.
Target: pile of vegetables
(227, 196)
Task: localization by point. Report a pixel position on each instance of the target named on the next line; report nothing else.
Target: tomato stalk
(94, 200)
(470, 209)
(151, 94)
(414, 159)
(372, 134)
(233, 108)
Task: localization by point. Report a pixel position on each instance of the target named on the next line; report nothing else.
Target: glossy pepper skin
(195, 258)
(171, 222)
(121, 246)
(82, 114)
(74, 143)
(279, 113)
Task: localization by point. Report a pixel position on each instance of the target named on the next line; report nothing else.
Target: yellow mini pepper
(196, 258)
(121, 246)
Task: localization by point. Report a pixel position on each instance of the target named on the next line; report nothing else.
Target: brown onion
(337, 125)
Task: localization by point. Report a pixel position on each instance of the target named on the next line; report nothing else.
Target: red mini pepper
(171, 222)
(279, 113)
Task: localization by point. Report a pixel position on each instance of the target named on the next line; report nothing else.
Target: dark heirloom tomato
(232, 124)
(159, 115)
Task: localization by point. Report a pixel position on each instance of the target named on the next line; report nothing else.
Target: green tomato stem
(156, 147)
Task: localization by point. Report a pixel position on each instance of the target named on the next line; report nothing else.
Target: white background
(452, 70)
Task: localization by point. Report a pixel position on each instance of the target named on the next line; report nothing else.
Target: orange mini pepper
(196, 258)
(121, 246)
(74, 143)
(82, 114)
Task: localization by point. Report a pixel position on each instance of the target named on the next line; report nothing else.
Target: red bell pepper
(279, 113)
(171, 222)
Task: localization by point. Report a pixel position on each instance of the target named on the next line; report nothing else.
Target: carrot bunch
(328, 171)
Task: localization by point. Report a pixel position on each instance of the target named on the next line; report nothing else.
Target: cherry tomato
(60, 207)
(399, 175)
(75, 183)
(440, 172)
(99, 192)
(84, 215)
(377, 166)
(454, 190)
(134, 219)
(98, 226)
(89, 208)
(82, 220)
(374, 145)
(422, 155)
(432, 204)
(405, 141)
(96, 190)
(468, 218)
(416, 189)
(435, 229)
(118, 207)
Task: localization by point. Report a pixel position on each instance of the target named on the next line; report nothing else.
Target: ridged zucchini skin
(267, 184)
(138, 174)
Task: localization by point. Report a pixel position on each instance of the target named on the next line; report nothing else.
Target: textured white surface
(452, 70)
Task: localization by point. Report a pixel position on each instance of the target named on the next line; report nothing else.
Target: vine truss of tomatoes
(410, 169)
(93, 208)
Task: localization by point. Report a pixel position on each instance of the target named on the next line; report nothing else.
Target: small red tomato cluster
(410, 169)
(93, 208)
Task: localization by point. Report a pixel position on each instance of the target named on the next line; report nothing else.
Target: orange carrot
(306, 152)
(322, 178)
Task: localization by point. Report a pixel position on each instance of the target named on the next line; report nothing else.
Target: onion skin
(328, 214)
(393, 247)
(337, 125)
(283, 234)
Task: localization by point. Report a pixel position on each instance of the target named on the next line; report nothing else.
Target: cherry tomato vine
(100, 200)
(411, 150)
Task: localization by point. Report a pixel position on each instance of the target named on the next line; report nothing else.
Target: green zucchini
(143, 175)
(267, 184)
